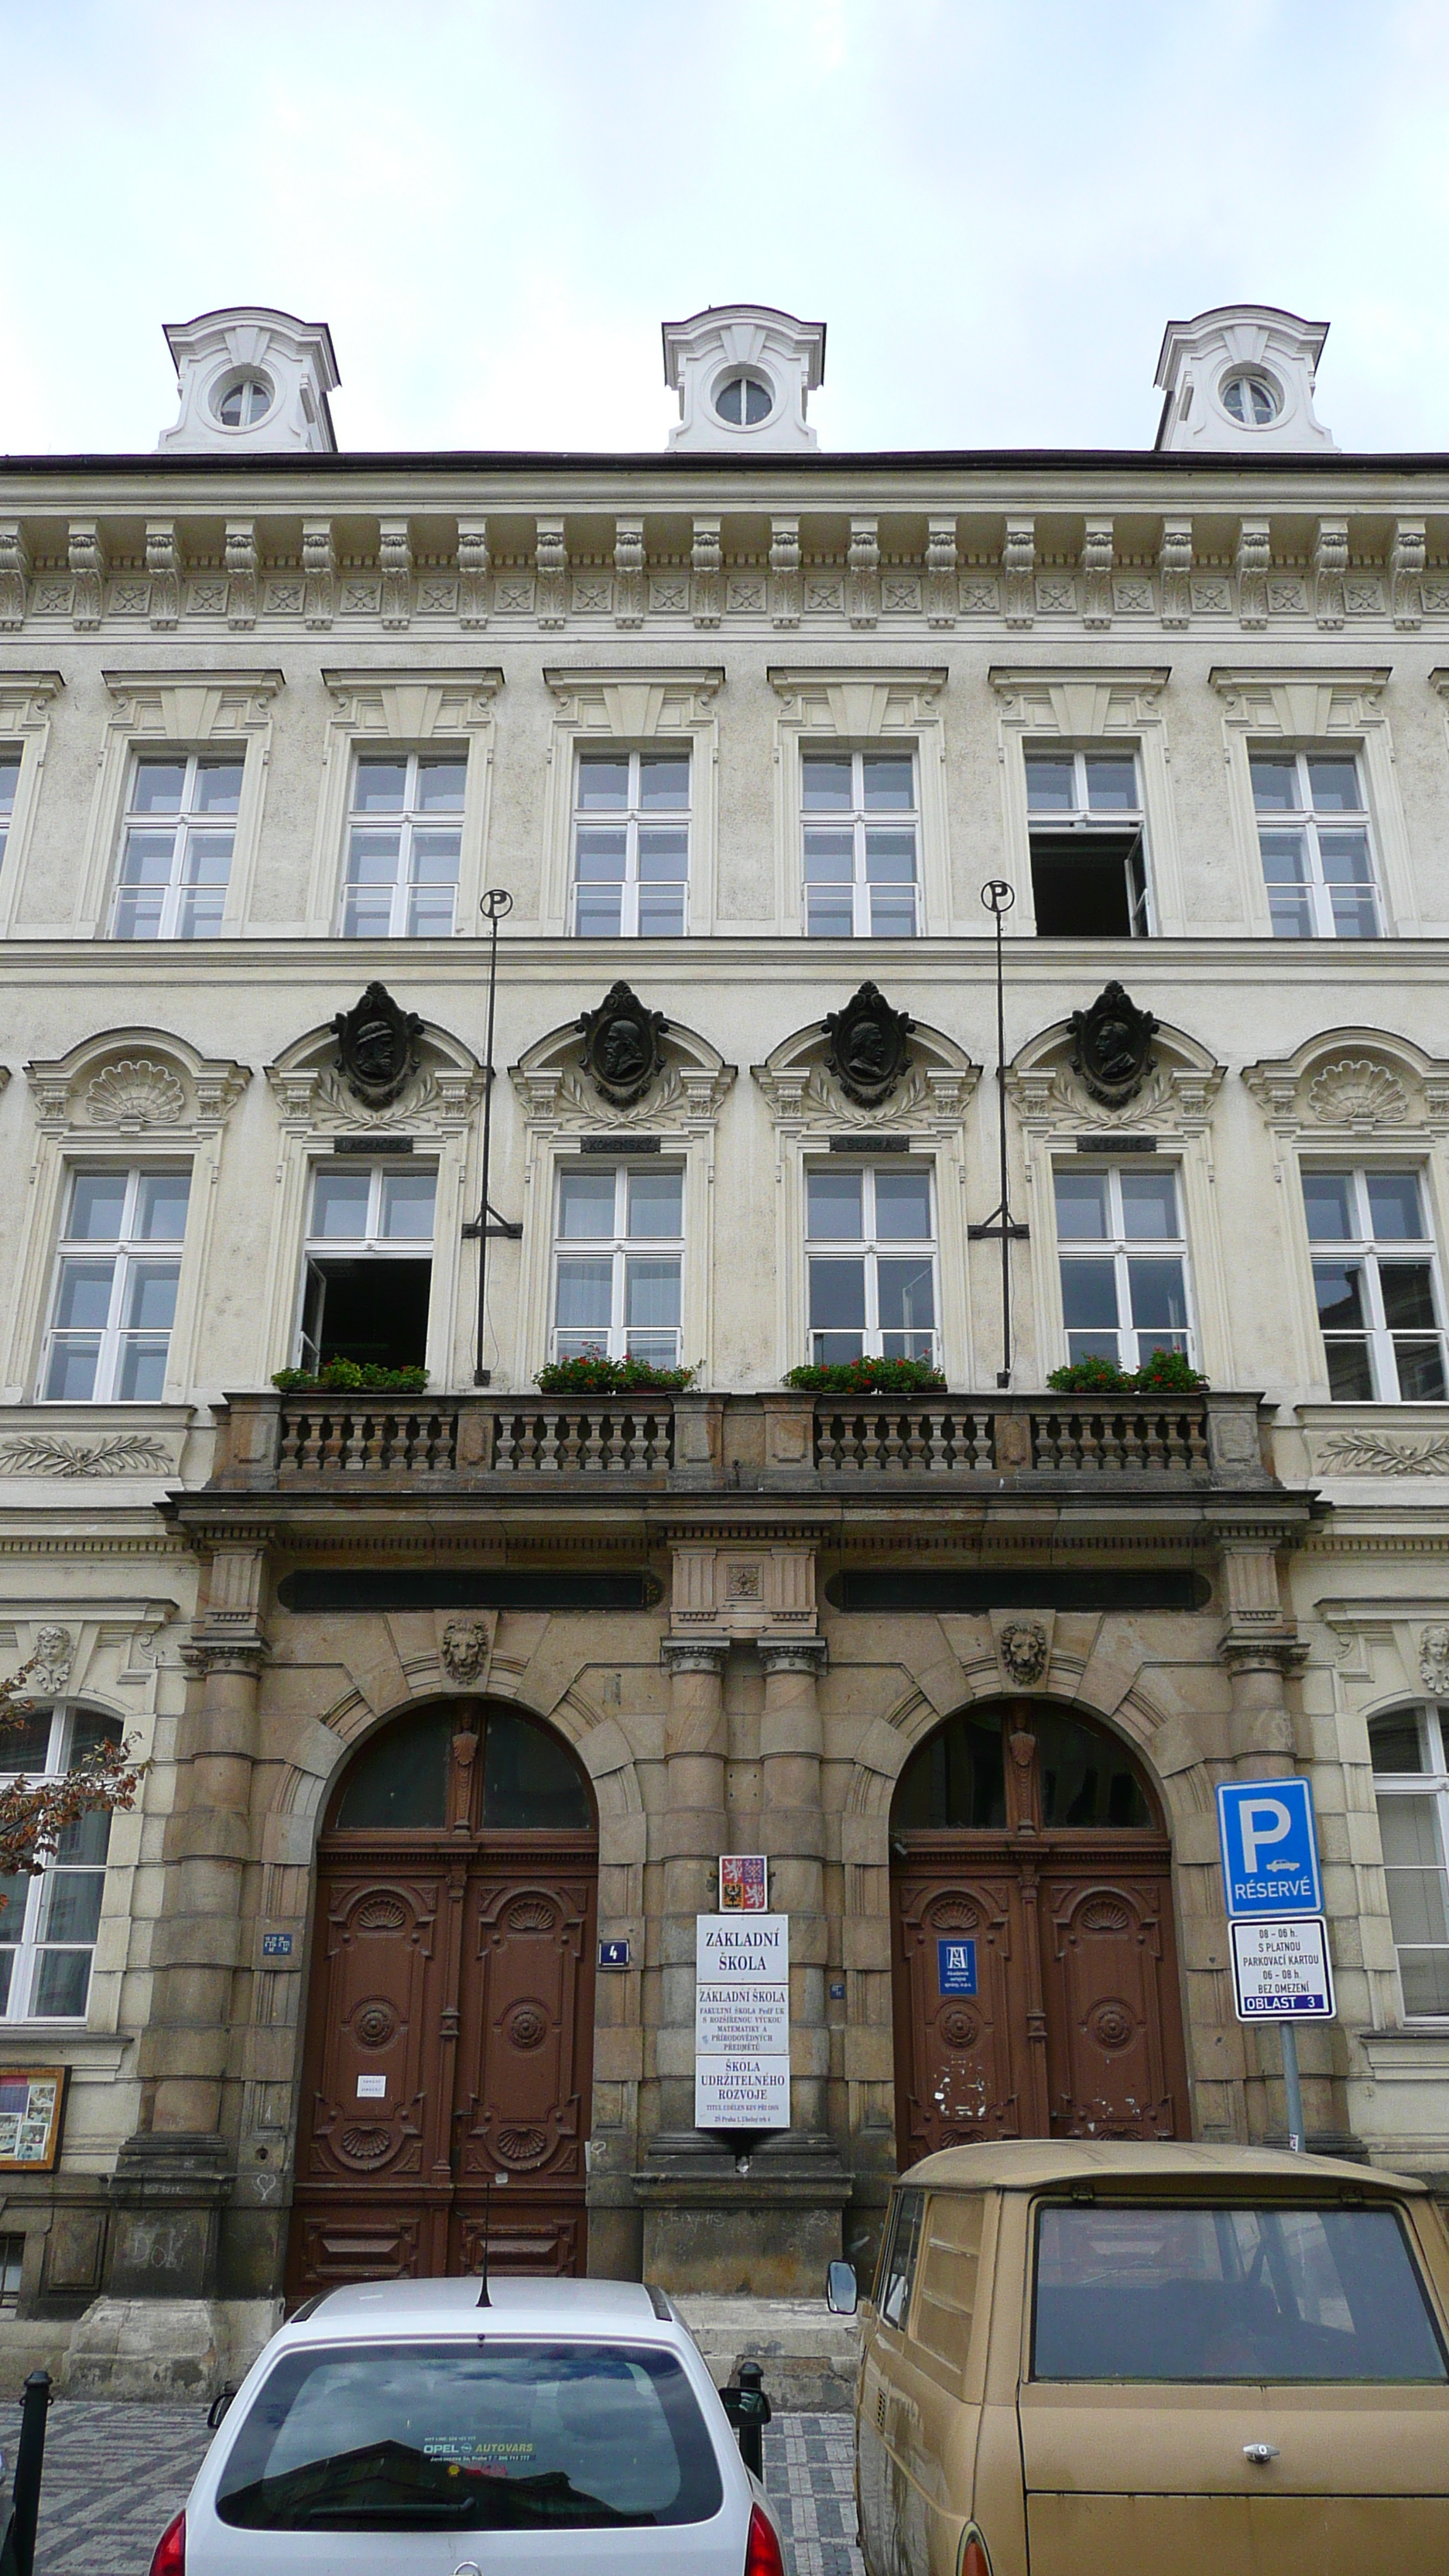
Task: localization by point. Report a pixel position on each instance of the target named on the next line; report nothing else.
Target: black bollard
(749, 2410)
(18, 2554)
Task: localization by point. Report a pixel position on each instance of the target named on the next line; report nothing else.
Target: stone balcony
(511, 1447)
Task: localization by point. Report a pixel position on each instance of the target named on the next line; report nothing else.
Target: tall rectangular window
(368, 1266)
(1313, 834)
(9, 785)
(618, 1258)
(176, 845)
(631, 844)
(1123, 1260)
(114, 1300)
(1375, 1278)
(1085, 821)
(48, 1924)
(861, 834)
(404, 838)
(1411, 1785)
(871, 1261)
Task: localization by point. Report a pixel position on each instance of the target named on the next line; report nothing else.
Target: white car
(550, 2428)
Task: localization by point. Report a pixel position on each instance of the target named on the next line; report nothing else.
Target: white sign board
(742, 2021)
(1281, 1970)
(742, 2092)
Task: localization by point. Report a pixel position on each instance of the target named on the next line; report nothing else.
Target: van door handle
(1260, 2453)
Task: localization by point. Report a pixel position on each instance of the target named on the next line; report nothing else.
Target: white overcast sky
(994, 204)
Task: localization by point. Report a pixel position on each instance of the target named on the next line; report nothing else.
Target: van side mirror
(842, 2295)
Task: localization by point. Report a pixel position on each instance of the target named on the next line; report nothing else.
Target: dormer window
(247, 400)
(744, 401)
(1251, 400)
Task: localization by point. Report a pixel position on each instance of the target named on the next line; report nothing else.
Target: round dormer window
(245, 400)
(1250, 400)
(744, 401)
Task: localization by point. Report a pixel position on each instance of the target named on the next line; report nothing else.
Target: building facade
(452, 1694)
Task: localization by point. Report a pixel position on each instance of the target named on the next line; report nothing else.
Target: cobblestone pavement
(114, 2476)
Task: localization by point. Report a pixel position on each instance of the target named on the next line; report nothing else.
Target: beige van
(1103, 2360)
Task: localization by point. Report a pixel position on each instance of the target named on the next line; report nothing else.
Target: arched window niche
(1006, 1766)
(464, 1766)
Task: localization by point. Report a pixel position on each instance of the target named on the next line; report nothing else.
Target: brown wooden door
(1074, 2029)
(448, 2058)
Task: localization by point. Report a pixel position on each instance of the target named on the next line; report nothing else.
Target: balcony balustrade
(819, 1444)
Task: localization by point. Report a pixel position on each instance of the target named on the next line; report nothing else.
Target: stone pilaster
(691, 1835)
(172, 2175)
(792, 1829)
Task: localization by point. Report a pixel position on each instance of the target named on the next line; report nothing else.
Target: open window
(1088, 865)
(368, 1269)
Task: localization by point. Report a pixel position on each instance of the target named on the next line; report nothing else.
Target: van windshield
(479, 2436)
(1222, 2294)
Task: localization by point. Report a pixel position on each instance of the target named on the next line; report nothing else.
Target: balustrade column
(792, 1829)
(691, 1836)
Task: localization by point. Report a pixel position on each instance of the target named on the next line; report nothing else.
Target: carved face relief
(1112, 1047)
(377, 1046)
(622, 1054)
(51, 1662)
(1022, 1647)
(466, 1646)
(1434, 1661)
(867, 1050)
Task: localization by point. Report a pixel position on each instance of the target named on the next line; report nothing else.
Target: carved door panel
(1114, 2057)
(524, 2065)
(962, 2066)
(373, 2126)
(449, 2049)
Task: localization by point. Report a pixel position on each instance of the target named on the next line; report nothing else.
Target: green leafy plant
(351, 1377)
(1166, 1373)
(867, 1377)
(594, 1373)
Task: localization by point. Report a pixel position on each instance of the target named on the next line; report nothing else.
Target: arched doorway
(448, 2059)
(1035, 1971)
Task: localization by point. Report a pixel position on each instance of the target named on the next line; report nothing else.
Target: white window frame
(31, 1944)
(623, 707)
(1306, 819)
(373, 1244)
(1431, 1783)
(1086, 822)
(401, 711)
(127, 1254)
(1119, 1248)
(1372, 1250)
(407, 819)
(10, 752)
(870, 1245)
(858, 818)
(189, 824)
(616, 1248)
(177, 712)
(1329, 709)
(631, 815)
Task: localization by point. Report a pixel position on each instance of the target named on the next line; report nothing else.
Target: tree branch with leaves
(35, 1815)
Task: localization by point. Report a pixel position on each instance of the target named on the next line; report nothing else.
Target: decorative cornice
(25, 697)
(653, 699)
(421, 701)
(855, 698)
(1068, 699)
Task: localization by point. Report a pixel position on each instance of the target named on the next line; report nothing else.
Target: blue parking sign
(956, 1967)
(1269, 1848)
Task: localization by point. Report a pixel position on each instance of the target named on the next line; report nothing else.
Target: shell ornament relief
(1357, 1093)
(135, 1092)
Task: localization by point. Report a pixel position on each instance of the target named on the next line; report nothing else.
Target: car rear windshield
(489, 2435)
(1184, 2294)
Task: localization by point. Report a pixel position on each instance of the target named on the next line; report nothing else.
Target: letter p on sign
(1261, 1821)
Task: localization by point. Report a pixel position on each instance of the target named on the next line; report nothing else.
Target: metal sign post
(1276, 1924)
(998, 898)
(495, 906)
